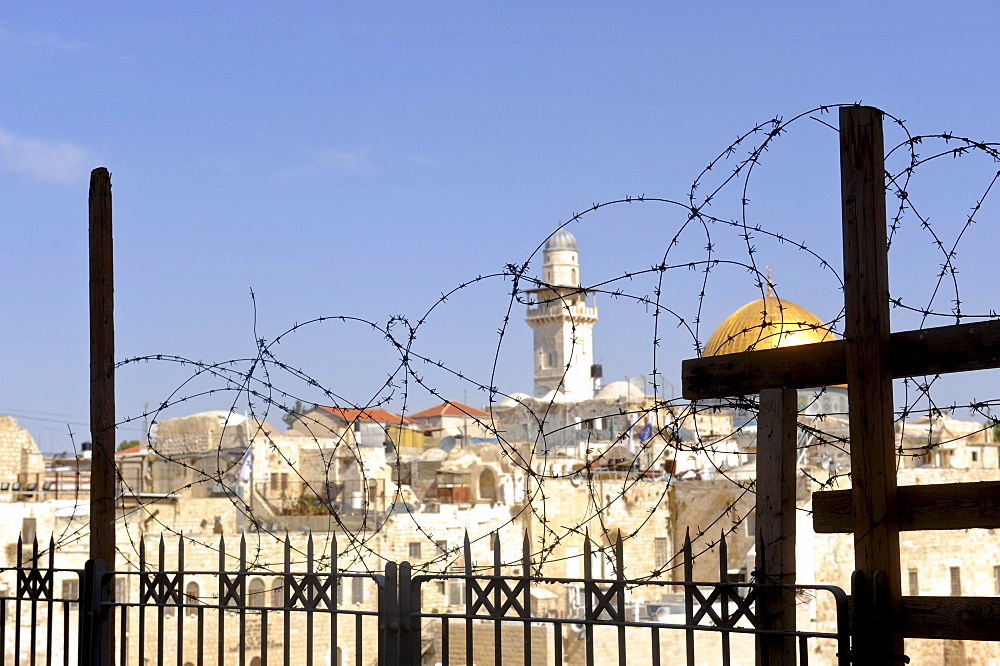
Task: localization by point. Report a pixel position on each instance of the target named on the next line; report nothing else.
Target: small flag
(646, 433)
(246, 467)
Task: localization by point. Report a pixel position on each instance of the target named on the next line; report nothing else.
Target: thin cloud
(356, 162)
(45, 44)
(335, 161)
(43, 161)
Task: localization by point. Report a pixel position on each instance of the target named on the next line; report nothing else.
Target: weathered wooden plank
(953, 618)
(869, 380)
(102, 371)
(776, 480)
(940, 506)
(945, 349)
(931, 351)
(799, 366)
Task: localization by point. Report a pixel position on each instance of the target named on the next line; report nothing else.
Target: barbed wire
(710, 232)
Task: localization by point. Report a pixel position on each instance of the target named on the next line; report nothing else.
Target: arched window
(278, 593)
(488, 485)
(255, 595)
(191, 594)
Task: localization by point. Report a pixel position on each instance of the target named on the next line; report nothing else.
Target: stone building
(22, 468)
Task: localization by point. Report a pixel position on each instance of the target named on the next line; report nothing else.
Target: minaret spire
(563, 323)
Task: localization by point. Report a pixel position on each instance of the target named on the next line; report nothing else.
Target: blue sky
(360, 159)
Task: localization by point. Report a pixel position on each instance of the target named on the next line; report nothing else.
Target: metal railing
(310, 614)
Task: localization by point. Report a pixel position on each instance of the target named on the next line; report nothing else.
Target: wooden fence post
(776, 481)
(102, 410)
(869, 378)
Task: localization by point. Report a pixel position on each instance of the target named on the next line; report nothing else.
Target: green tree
(293, 414)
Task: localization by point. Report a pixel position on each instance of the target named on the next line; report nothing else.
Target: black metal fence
(315, 615)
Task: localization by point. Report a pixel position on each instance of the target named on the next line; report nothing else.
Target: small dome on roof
(561, 240)
(555, 397)
(514, 399)
(620, 390)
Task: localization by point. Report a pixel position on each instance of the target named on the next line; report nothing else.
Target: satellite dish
(447, 444)
(662, 614)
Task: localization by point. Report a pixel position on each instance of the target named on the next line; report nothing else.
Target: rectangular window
(456, 592)
(71, 591)
(956, 581)
(28, 531)
(442, 546)
(975, 456)
(358, 590)
(414, 550)
(914, 583)
(996, 581)
(662, 551)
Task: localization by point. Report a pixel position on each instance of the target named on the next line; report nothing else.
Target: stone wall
(926, 559)
(20, 460)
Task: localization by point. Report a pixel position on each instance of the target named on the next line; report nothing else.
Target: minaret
(563, 323)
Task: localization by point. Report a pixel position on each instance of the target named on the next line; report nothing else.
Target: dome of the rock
(765, 324)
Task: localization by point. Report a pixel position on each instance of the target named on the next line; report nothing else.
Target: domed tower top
(561, 240)
(561, 265)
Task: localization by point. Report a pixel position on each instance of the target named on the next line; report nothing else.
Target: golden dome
(765, 324)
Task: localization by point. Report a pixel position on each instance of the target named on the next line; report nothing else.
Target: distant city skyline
(361, 161)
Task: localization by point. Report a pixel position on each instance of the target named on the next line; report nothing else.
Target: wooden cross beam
(867, 360)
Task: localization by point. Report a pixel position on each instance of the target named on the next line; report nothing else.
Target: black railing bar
(17, 619)
(358, 643)
(526, 603)
(334, 615)
(235, 609)
(242, 658)
(629, 624)
(181, 612)
(558, 639)
(497, 602)
(161, 613)
(32, 652)
(445, 643)
(378, 579)
(200, 619)
(631, 584)
(122, 638)
(181, 592)
(65, 637)
(467, 585)
(49, 613)
(141, 642)
(725, 592)
(15, 569)
(3, 631)
(263, 643)
(308, 600)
